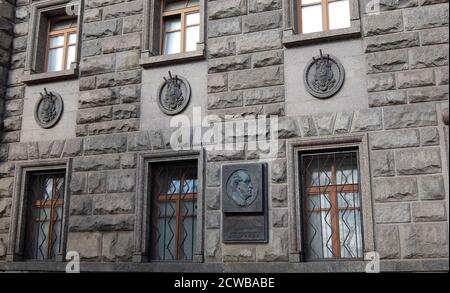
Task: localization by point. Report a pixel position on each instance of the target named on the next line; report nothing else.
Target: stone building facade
(250, 58)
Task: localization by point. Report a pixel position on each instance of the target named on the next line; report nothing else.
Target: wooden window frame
(182, 13)
(178, 199)
(325, 14)
(296, 147)
(16, 245)
(53, 204)
(332, 189)
(143, 214)
(35, 68)
(152, 38)
(65, 46)
(292, 35)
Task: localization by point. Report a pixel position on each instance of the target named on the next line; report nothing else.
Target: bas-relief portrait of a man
(242, 191)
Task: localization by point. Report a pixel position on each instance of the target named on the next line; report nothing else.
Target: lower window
(173, 210)
(331, 203)
(45, 202)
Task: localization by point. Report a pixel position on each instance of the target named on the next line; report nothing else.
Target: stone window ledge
(154, 61)
(290, 39)
(40, 14)
(35, 78)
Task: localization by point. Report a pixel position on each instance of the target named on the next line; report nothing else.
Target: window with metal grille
(331, 205)
(173, 210)
(45, 194)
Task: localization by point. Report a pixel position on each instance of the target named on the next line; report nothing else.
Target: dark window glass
(331, 206)
(174, 211)
(44, 216)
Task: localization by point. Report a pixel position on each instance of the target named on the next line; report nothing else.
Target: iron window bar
(174, 203)
(331, 205)
(44, 215)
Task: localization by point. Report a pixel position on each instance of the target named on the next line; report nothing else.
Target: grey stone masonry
(110, 54)
(406, 49)
(11, 106)
(407, 66)
(10, 110)
(418, 161)
(427, 240)
(394, 101)
(236, 31)
(6, 36)
(388, 241)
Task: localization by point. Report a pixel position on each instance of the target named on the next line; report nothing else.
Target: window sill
(36, 78)
(154, 61)
(290, 39)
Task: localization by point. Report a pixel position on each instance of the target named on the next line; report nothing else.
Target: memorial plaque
(242, 188)
(244, 228)
(244, 203)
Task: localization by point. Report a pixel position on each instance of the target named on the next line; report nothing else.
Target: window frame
(35, 70)
(292, 20)
(334, 209)
(39, 204)
(143, 215)
(325, 7)
(182, 12)
(19, 207)
(151, 54)
(177, 199)
(295, 147)
(65, 33)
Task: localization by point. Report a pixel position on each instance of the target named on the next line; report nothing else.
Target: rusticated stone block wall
(18, 16)
(245, 78)
(110, 72)
(407, 57)
(406, 60)
(8, 108)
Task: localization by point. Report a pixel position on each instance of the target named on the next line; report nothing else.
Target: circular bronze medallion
(323, 76)
(174, 94)
(49, 109)
(240, 188)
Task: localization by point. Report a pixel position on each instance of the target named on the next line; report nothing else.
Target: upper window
(322, 15)
(45, 197)
(331, 203)
(62, 43)
(174, 211)
(314, 21)
(173, 32)
(181, 26)
(53, 48)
